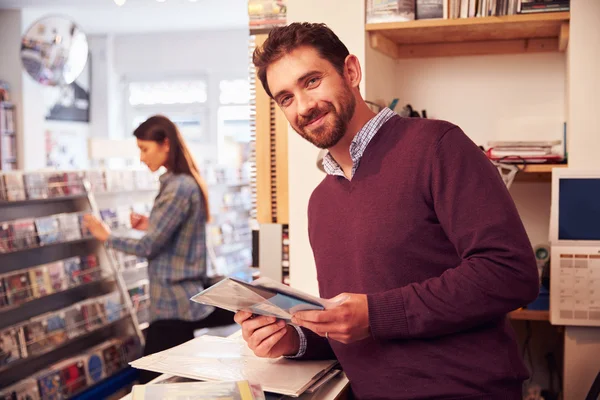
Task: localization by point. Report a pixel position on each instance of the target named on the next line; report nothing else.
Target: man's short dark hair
(283, 40)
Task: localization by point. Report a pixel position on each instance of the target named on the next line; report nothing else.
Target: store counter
(338, 388)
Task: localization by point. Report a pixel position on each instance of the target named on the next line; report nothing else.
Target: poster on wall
(66, 148)
(70, 102)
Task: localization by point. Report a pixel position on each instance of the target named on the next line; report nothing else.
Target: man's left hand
(346, 323)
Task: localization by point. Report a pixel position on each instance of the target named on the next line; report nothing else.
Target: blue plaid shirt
(357, 149)
(175, 246)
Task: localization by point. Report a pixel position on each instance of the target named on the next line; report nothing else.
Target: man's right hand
(268, 337)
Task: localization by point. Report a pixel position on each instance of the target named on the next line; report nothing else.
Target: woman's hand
(138, 221)
(97, 228)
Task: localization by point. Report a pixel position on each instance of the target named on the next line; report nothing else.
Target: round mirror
(54, 51)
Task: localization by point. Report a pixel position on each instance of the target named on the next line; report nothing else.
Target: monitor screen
(579, 209)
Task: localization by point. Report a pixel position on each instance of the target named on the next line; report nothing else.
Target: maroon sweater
(427, 229)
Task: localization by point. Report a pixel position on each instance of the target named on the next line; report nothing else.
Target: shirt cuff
(302, 348)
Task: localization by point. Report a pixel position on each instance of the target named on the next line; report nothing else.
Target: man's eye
(285, 101)
(312, 82)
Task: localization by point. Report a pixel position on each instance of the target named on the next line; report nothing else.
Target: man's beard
(328, 134)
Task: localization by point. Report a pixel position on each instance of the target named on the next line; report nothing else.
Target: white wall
(10, 67)
(214, 55)
(347, 22)
(582, 345)
(106, 113)
(499, 97)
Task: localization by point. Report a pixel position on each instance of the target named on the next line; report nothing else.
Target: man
(412, 230)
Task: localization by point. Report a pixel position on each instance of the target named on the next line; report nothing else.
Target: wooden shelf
(537, 172)
(523, 33)
(530, 315)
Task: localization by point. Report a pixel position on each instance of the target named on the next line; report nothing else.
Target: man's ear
(352, 71)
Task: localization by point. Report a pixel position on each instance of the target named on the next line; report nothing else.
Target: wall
(214, 55)
(35, 127)
(505, 97)
(347, 22)
(10, 67)
(582, 345)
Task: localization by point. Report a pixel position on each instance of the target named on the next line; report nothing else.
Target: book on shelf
(390, 11)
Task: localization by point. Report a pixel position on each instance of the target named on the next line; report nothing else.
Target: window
(167, 92)
(234, 92)
(182, 101)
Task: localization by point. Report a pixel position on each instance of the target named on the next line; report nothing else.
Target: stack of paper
(211, 358)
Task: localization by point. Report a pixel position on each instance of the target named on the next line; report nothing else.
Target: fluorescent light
(120, 2)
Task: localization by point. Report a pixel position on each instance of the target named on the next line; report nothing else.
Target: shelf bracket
(384, 45)
(563, 37)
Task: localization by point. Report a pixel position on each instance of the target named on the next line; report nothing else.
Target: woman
(174, 240)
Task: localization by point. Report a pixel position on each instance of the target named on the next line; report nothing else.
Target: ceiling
(138, 16)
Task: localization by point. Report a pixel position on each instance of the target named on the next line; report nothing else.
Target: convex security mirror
(54, 51)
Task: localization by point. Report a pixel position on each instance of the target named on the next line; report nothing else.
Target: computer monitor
(575, 207)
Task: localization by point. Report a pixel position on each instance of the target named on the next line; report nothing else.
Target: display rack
(62, 293)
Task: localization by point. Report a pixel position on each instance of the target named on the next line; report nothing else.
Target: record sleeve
(5, 238)
(113, 362)
(69, 226)
(40, 281)
(27, 389)
(24, 235)
(90, 270)
(72, 374)
(94, 366)
(15, 188)
(57, 185)
(58, 278)
(48, 230)
(36, 185)
(72, 266)
(3, 293)
(75, 321)
(51, 386)
(9, 346)
(19, 288)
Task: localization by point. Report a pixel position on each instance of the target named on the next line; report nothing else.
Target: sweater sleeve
(497, 272)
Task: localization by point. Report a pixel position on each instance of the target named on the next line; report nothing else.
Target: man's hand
(138, 221)
(346, 323)
(266, 336)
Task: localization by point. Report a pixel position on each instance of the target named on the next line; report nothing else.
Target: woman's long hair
(180, 161)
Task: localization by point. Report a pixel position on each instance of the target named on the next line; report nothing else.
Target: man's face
(314, 97)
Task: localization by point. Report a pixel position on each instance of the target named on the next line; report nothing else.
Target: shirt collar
(359, 143)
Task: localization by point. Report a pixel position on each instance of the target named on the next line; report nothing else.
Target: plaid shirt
(357, 149)
(359, 143)
(175, 246)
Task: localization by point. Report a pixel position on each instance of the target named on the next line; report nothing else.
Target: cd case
(263, 297)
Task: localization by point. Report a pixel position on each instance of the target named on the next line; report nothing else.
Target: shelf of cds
(63, 296)
(229, 234)
(8, 137)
